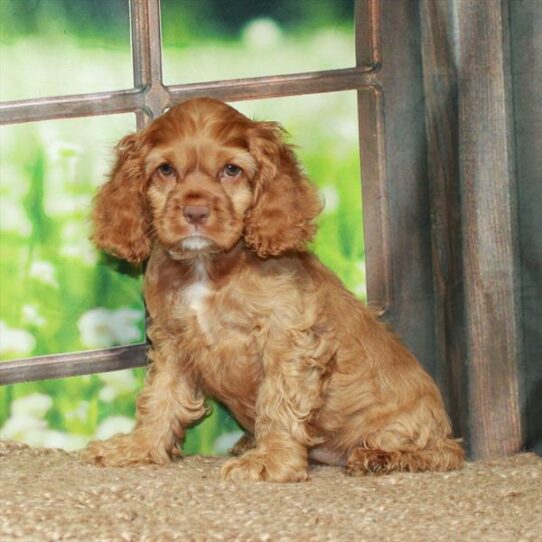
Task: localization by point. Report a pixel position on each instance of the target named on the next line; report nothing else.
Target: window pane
(55, 47)
(212, 40)
(58, 294)
(325, 130)
(67, 413)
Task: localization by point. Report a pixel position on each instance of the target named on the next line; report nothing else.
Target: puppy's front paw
(259, 465)
(123, 451)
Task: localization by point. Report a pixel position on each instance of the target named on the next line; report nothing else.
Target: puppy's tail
(443, 455)
(448, 455)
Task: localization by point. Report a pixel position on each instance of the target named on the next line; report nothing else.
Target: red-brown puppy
(241, 312)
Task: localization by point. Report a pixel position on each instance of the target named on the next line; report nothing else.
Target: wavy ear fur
(285, 202)
(120, 216)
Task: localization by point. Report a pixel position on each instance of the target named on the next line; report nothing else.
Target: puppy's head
(200, 178)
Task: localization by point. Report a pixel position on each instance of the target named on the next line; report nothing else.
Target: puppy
(240, 311)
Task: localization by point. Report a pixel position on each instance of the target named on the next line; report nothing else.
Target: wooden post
(450, 173)
(466, 55)
(489, 226)
(441, 117)
(526, 59)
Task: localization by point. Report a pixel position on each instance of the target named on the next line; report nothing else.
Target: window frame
(149, 97)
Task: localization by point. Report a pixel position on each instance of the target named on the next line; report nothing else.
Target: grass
(60, 295)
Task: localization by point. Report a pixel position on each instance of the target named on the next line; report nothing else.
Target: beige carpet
(49, 495)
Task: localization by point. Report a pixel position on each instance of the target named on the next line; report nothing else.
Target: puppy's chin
(192, 247)
(196, 244)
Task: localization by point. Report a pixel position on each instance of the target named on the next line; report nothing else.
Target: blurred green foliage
(102, 22)
(106, 21)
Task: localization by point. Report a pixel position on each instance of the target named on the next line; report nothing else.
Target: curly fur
(242, 312)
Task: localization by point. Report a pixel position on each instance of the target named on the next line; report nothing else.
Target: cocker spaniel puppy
(241, 312)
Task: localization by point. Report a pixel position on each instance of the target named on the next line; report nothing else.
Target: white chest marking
(197, 293)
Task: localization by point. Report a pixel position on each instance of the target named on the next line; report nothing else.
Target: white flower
(113, 425)
(75, 243)
(64, 150)
(82, 250)
(331, 199)
(107, 394)
(18, 427)
(117, 383)
(45, 272)
(361, 288)
(14, 218)
(80, 413)
(15, 342)
(27, 429)
(103, 328)
(226, 441)
(360, 264)
(66, 204)
(124, 323)
(95, 329)
(346, 130)
(26, 424)
(32, 316)
(262, 33)
(34, 405)
(51, 438)
(331, 44)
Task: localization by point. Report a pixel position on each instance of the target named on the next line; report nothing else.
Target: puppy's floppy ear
(120, 215)
(285, 202)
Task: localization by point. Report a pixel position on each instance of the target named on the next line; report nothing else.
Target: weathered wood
(440, 87)
(147, 58)
(489, 227)
(134, 100)
(79, 105)
(526, 60)
(373, 169)
(375, 200)
(368, 31)
(74, 364)
(411, 289)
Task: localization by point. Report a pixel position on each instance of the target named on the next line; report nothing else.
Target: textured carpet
(50, 495)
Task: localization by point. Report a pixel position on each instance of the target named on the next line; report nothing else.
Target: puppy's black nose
(196, 214)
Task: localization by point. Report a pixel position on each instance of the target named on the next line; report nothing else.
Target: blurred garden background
(58, 294)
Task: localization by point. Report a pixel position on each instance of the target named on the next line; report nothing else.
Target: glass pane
(324, 129)
(58, 294)
(54, 47)
(67, 413)
(210, 40)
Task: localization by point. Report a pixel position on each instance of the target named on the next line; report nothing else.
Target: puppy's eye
(166, 169)
(231, 171)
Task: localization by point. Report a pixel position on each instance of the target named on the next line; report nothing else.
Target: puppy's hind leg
(295, 372)
(444, 455)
